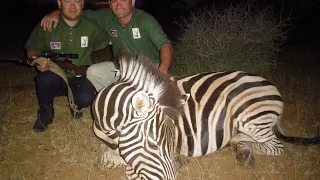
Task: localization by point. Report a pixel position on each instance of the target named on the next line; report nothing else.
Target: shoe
(39, 126)
(76, 115)
(45, 117)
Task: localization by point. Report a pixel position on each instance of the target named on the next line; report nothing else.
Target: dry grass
(245, 36)
(69, 149)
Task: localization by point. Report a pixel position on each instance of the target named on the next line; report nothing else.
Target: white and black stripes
(219, 103)
(230, 106)
(135, 118)
(146, 117)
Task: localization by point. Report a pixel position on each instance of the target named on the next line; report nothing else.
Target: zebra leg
(262, 140)
(271, 146)
(244, 153)
(131, 175)
(110, 157)
(245, 146)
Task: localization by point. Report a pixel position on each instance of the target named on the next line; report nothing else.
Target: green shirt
(82, 39)
(142, 34)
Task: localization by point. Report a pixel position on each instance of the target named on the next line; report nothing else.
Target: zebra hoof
(111, 160)
(245, 158)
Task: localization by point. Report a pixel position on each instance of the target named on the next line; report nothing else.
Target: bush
(243, 37)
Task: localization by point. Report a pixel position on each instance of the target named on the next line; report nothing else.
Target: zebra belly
(195, 142)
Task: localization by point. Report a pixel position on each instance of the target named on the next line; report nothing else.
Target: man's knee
(102, 74)
(91, 72)
(83, 92)
(84, 99)
(46, 78)
(101, 70)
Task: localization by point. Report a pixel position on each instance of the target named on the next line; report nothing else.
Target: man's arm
(31, 54)
(80, 70)
(158, 37)
(34, 43)
(50, 20)
(100, 38)
(166, 54)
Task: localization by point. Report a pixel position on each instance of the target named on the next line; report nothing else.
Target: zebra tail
(296, 140)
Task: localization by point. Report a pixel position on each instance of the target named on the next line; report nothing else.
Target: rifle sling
(57, 70)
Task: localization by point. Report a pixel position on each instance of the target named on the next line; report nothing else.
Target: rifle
(60, 59)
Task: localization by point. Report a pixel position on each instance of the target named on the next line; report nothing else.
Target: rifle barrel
(65, 64)
(10, 59)
(15, 60)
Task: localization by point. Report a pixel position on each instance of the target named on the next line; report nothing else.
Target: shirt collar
(65, 24)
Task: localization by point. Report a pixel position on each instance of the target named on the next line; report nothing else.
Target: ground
(69, 149)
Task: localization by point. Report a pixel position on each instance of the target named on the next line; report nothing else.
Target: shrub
(243, 37)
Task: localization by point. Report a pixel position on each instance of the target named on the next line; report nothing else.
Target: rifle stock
(65, 64)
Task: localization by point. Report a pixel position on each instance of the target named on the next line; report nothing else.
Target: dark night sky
(18, 17)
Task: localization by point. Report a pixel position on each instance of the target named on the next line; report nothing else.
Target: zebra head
(147, 103)
(147, 141)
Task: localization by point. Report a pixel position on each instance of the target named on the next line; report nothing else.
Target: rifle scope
(57, 55)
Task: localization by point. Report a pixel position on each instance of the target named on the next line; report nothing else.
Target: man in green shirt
(74, 35)
(129, 30)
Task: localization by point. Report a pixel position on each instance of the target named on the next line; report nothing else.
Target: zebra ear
(141, 102)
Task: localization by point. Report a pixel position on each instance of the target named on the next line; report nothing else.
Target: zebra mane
(144, 75)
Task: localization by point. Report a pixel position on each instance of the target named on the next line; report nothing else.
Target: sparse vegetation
(244, 37)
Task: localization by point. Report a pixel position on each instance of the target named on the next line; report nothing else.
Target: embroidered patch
(84, 41)
(55, 45)
(114, 32)
(136, 33)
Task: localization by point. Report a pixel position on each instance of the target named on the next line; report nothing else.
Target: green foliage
(243, 37)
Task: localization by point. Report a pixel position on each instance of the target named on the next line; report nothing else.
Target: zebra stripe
(231, 107)
(135, 118)
(217, 101)
(146, 117)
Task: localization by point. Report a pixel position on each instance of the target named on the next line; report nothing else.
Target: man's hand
(43, 67)
(163, 70)
(49, 20)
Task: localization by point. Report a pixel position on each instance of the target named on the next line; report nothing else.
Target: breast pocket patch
(136, 33)
(84, 41)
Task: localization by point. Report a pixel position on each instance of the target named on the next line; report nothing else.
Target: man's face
(122, 8)
(71, 9)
